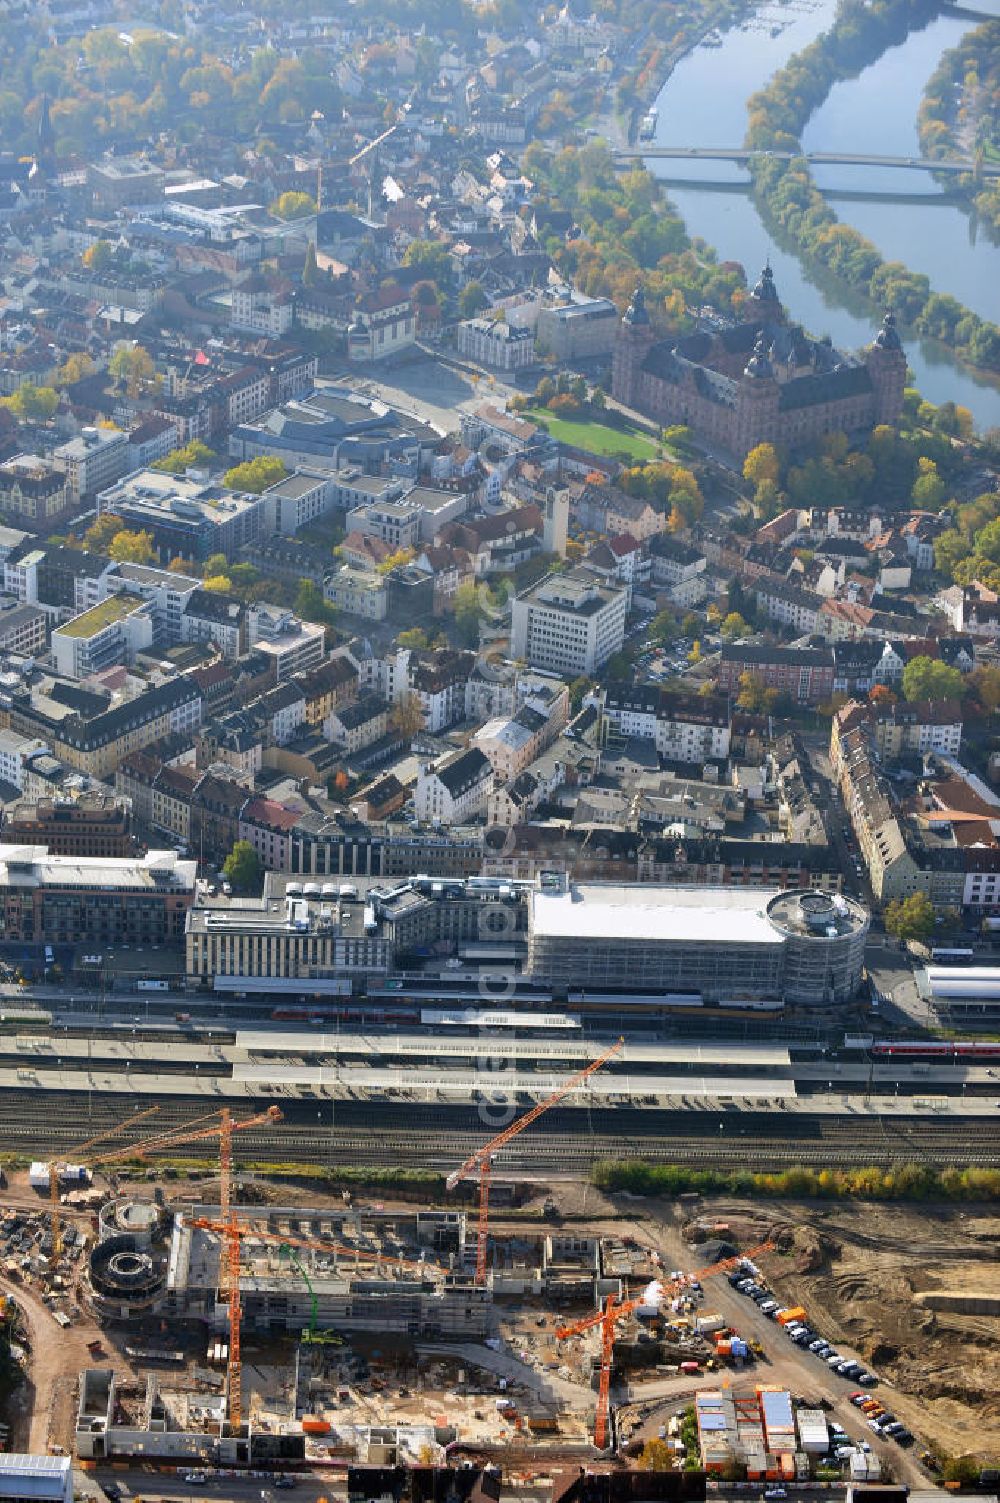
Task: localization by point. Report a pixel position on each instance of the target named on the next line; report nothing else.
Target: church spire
(45, 136)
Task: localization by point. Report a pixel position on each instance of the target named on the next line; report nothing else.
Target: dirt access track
(858, 1268)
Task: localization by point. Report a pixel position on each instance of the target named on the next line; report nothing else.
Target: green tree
(243, 868)
(255, 475)
(663, 628)
(468, 613)
(132, 547)
(926, 678)
(432, 256)
(292, 205)
(414, 637)
(964, 1470)
(310, 271)
(577, 689)
(929, 491)
(472, 300)
(910, 918)
(310, 604)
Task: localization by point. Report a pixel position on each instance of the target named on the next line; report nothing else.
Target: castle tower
(886, 362)
(635, 335)
(757, 399)
(763, 305)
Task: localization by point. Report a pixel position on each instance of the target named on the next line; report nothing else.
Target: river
(703, 103)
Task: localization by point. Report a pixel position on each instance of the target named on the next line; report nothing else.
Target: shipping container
(789, 1317)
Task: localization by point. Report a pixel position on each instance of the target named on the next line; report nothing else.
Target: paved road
(148, 1484)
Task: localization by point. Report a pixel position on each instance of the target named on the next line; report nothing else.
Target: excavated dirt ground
(856, 1268)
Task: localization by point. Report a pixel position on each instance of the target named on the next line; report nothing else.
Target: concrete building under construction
(370, 1284)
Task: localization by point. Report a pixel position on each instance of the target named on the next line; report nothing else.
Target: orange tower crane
(481, 1161)
(617, 1309)
(232, 1233)
(193, 1131)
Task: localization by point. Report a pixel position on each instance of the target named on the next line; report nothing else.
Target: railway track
(389, 1136)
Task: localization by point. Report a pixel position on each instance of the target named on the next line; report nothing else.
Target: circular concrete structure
(128, 1265)
(825, 936)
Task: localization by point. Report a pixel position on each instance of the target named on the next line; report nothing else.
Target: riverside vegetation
(786, 191)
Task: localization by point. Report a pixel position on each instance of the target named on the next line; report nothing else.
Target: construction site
(235, 1321)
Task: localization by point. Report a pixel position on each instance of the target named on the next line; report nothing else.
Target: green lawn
(596, 438)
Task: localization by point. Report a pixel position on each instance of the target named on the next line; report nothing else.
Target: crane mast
(616, 1309)
(481, 1160)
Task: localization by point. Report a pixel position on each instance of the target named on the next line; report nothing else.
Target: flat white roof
(42, 1477)
(637, 911)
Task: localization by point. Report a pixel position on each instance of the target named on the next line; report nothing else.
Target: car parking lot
(792, 1322)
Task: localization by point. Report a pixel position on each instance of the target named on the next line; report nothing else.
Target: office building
(571, 623)
(112, 632)
(92, 461)
(186, 517)
(98, 901)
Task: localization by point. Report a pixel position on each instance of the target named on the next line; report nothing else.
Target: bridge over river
(742, 155)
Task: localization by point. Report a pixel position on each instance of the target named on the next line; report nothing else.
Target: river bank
(704, 103)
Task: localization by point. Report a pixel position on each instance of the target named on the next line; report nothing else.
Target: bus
(954, 956)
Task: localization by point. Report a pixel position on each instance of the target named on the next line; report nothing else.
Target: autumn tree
(755, 696)
(189, 456)
(75, 368)
(35, 403)
(97, 256)
(984, 683)
(407, 716)
(733, 627)
(414, 638)
(99, 534)
(131, 547)
(656, 1456)
(255, 475)
(762, 463)
(132, 367)
(881, 694)
(910, 918)
(398, 559)
(293, 205)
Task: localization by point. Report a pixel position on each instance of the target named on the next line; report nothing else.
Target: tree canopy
(927, 678)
